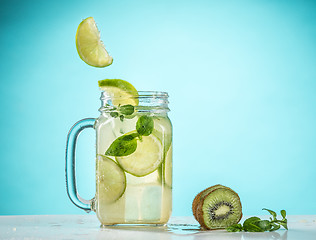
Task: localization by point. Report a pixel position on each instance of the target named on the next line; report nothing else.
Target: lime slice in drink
(168, 167)
(111, 179)
(120, 91)
(163, 130)
(146, 159)
(89, 45)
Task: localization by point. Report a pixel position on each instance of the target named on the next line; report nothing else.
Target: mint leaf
(283, 213)
(121, 118)
(235, 228)
(250, 225)
(127, 109)
(114, 114)
(251, 220)
(123, 146)
(145, 125)
(265, 225)
(271, 212)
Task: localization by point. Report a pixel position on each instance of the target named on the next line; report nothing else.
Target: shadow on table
(265, 235)
(169, 231)
(222, 235)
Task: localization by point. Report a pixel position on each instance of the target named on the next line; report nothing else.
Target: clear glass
(147, 196)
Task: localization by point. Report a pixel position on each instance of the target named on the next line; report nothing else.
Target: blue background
(241, 76)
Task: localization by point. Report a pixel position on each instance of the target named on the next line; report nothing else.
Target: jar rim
(153, 93)
(145, 94)
(154, 101)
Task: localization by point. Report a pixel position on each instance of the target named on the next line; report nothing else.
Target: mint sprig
(255, 224)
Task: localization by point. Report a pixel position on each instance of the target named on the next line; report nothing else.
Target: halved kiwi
(217, 207)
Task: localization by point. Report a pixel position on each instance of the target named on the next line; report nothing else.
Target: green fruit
(121, 92)
(89, 45)
(217, 207)
(145, 159)
(163, 130)
(168, 168)
(111, 179)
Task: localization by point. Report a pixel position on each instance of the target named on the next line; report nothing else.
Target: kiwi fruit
(217, 207)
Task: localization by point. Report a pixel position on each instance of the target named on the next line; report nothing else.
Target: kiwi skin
(199, 200)
(198, 197)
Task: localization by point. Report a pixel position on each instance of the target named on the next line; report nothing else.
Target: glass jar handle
(72, 137)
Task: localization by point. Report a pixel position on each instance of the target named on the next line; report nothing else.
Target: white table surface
(301, 227)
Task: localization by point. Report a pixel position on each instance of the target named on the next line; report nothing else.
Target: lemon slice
(89, 45)
(111, 179)
(146, 159)
(120, 91)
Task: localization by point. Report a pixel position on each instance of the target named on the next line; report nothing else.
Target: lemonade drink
(133, 146)
(136, 187)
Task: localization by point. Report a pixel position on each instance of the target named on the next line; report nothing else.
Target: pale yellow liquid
(147, 199)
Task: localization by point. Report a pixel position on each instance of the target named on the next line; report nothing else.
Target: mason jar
(133, 160)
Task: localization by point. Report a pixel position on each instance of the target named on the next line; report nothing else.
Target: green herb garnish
(145, 125)
(114, 114)
(126, 109)
(122, 111)
(255, 224)
(123, 146)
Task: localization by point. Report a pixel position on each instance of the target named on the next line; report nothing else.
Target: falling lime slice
(89, 45)
(120, 91)
(146, 159)
(111, 179)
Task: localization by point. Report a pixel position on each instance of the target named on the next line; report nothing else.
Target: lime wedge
(89, 45)
(120, 91)
(146, 159)
(111, 179)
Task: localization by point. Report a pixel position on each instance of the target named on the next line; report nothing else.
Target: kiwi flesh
(217, 207)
